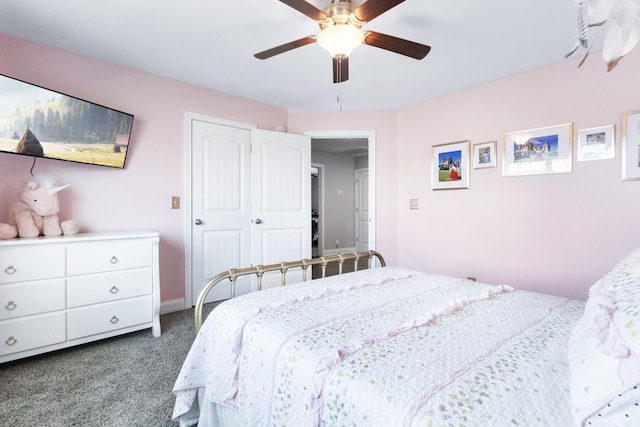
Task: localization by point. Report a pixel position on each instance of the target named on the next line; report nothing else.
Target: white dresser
(57, 292)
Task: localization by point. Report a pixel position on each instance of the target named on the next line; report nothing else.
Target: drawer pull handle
(114, 290)
(11, 341)
(10, 270)
(11, 306)
(113, 260)
(114, 320)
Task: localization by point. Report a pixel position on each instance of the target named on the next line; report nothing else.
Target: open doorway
(317, 177)
(336, 156)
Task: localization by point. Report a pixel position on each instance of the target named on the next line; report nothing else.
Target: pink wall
(138, 197)
(552, 233)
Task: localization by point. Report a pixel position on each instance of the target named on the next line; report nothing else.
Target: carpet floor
(123, 381)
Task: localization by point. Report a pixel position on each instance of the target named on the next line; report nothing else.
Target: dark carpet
(121, 381)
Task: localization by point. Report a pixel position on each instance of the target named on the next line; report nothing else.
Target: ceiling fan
(340, 24)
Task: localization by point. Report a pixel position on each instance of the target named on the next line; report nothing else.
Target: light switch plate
(414, 204)
(175, 202)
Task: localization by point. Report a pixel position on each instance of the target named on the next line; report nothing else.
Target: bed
(390, 346)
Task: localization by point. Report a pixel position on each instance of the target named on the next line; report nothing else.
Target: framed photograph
(596, 143)
(484, 155)
(538, 151)
(450, 166)
(631, 146)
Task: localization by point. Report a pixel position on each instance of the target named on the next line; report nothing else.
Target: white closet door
(221, 205)
(281, 200)
(362, 210)
(233, 185)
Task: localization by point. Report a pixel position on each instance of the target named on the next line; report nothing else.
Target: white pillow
(604, 346)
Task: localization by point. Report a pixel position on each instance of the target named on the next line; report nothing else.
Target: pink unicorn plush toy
(35, 211)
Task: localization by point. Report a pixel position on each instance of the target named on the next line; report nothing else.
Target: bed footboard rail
(259, 270)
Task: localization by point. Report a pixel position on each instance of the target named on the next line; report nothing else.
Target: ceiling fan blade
(397, 45)
(373, 8)
(306, 8)
(340, 69)
(285, 47)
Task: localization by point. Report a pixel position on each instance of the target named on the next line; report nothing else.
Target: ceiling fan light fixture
(340, 39)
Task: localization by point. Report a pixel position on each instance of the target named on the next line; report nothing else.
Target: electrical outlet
(175, 202)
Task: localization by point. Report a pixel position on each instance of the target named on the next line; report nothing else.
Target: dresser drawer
(110, 316)
(105, 287)
(21, 264)
(27, 333)
(97, 257)
(23, 299)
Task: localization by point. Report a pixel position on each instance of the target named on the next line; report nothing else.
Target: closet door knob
(198, 221)
(257, 221)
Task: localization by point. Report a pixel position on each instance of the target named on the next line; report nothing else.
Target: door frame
(370, 135)
(187, 196)
(320, 167)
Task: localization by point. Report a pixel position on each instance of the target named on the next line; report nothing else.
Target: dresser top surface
(80, 237)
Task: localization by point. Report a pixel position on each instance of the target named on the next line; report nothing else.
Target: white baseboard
(337, 251)
(171, 306)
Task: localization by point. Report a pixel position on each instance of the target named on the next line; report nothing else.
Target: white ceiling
(211, 43)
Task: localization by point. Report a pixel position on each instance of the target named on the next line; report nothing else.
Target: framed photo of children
(538, 151)
(484, 155)
(450, 166)
(596, 143)
(631, 146)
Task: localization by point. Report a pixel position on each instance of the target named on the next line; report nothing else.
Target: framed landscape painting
(538, 151)
(450, 166)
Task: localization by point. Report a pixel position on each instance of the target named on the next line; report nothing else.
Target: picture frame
(450, 166)
(484, 155)
(596, 143)
(631, 146)
(538, 151)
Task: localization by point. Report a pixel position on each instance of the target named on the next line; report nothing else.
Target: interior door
(221, 205)
(281, 202)
(249, 205)
(362, 210)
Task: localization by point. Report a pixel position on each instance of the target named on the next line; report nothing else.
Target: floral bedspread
(385, 347)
